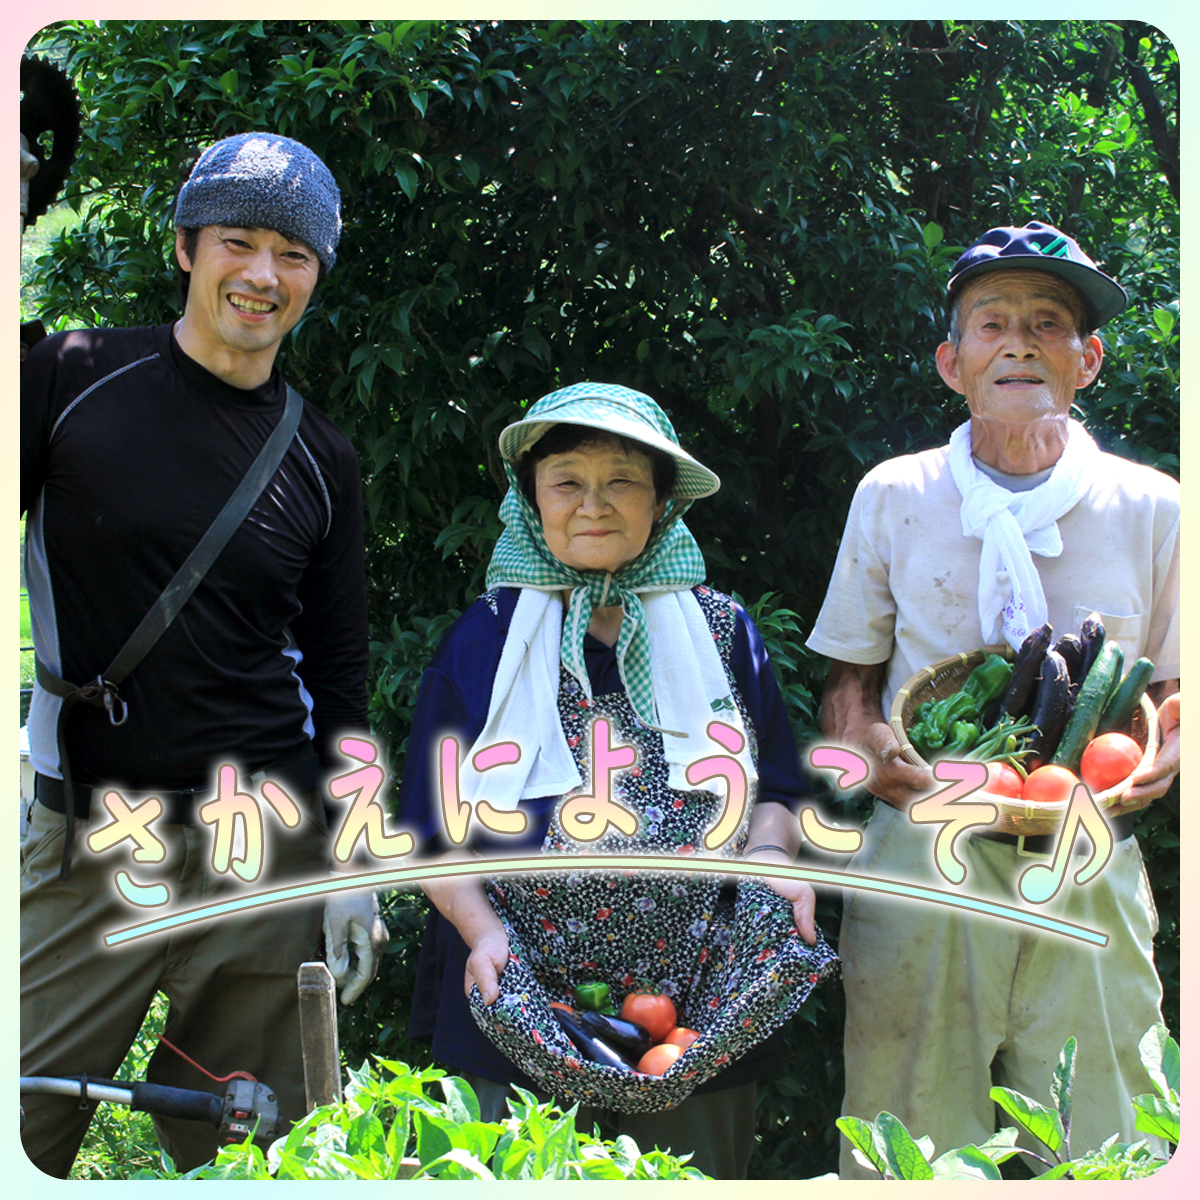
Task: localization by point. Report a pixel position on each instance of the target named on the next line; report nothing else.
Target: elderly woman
(596, 608)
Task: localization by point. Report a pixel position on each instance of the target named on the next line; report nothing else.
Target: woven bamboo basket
(1018, 817)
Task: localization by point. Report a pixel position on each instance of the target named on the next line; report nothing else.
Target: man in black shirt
(132, 440)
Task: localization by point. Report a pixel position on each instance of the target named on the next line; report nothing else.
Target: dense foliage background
(751, 221)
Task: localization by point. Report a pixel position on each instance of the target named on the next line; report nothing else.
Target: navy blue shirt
(454, 697)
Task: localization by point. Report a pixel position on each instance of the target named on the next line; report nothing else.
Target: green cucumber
(1127, 696)
(1093, 696)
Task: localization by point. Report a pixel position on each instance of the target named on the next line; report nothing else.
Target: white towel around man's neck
(691, 689)
(1013, 526)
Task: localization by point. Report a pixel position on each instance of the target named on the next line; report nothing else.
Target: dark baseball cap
(1041, 247)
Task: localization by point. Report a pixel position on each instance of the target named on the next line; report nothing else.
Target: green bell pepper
(592, 995)
(988, 681)
(963, 735)
(959, 707)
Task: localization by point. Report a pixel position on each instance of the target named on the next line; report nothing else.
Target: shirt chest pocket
(1129, 632)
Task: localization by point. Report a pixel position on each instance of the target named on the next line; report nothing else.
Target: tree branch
(1166, 143)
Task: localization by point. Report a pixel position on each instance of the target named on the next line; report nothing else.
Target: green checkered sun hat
(617, 410)
(671, 560)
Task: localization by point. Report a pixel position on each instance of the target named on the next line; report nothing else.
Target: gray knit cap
(264, 181)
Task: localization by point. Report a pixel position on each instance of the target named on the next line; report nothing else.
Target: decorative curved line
(565, 862)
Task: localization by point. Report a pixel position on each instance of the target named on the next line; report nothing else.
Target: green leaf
(1157, 1117)
(229, 81)
(1061, 1084)
(560, 1147)
(603, 1168)
(968, 1163)
(932, 235)
(1056, 1172)
(903, 1154)
(1164, 318)
(1044, 1123)
(861, 1135)
(480, 1138)
(1002, 1145)
(392, 356)
(436, 1136)
(512, 1159)
(455, 1164)
(1160, 1056)
(366, 1139)
(461, 1101)
(406, 177)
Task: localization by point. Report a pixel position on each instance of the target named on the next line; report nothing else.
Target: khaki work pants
(231, 981)
(942, 1006)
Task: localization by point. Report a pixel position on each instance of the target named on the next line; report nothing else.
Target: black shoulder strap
(102, 691)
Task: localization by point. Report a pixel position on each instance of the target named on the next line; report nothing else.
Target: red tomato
(1003, 780)
(681, 1037)
(1049, 785)
(1108, 759)
(658, 1058)
(653, 1011)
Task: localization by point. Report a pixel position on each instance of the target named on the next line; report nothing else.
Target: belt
(178, 807)
(299, 768)
(1045, 843)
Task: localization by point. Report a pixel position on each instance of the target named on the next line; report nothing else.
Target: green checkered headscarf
(670, 562)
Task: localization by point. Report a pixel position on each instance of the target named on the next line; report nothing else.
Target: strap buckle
(1023, 853)
(101, 692)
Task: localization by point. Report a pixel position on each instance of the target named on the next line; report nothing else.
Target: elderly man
(1019, 520)
(132, 442)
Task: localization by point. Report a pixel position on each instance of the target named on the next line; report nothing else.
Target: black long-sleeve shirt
(129, 449)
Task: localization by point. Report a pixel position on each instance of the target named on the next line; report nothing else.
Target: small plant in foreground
(387, 1127)
(885, 1146)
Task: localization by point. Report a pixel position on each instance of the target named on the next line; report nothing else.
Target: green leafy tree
(752, 221)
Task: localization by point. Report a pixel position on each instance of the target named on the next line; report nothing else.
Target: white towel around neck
(691, 689)
(1013, 526)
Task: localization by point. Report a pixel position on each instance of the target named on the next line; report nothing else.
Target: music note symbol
(1041, 882)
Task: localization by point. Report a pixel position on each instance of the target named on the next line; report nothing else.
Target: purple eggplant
(1071, 648)
(1091, 634)
(1019, 693)
(1050, 707)
(630, 1038)
(589, 1046)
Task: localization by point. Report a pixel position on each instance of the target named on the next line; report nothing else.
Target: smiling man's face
(1020, 357)
(248, 288)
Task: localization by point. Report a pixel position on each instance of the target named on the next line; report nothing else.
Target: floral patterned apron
(729, 957)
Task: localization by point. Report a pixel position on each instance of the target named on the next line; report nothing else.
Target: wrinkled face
(597, 505)
(248, 287)
(1021, 356)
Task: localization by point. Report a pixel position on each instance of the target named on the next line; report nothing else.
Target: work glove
(353, 920)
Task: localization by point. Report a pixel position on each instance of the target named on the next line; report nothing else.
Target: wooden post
(318, 1034)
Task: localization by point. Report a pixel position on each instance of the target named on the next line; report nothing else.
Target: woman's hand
(774, 836)
(488, 958)
(464, 903)
(801, 894)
